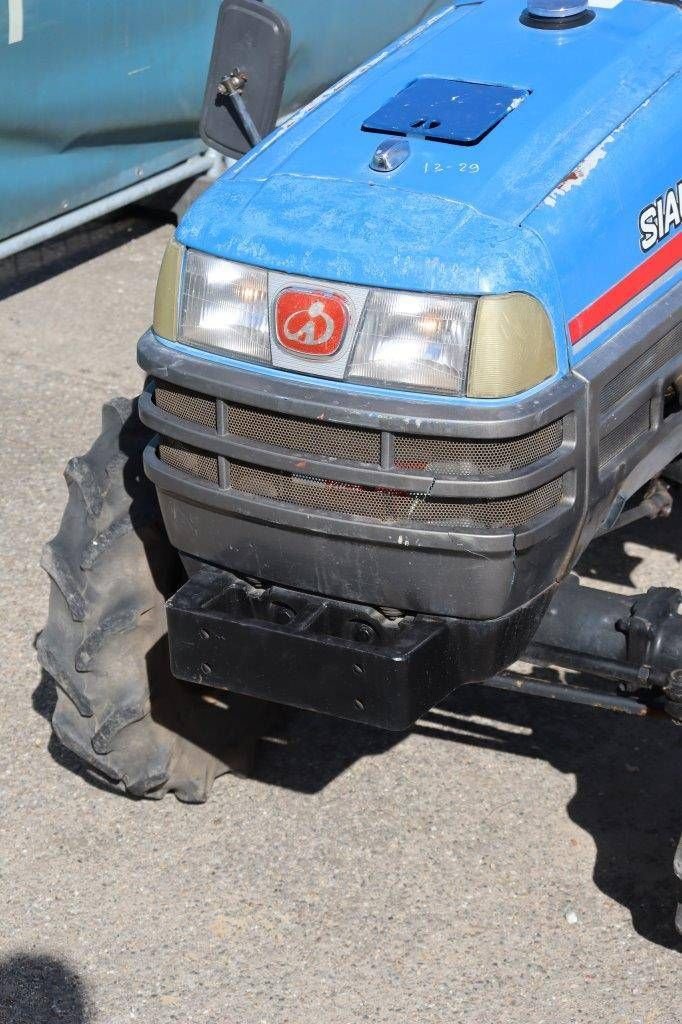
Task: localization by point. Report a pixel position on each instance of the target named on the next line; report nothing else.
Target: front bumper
(336, 657)
(476, 535)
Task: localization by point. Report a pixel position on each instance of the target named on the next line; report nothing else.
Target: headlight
(414, 340)
(221, 307)
(495, 346)
(492, 347)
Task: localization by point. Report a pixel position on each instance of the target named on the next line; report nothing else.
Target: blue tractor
(409, 357)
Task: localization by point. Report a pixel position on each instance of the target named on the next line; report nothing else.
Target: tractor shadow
(64, 252)
(627, 770)
(627, 773)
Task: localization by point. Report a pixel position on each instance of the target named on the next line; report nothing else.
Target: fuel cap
(557, 14)
(556, 8)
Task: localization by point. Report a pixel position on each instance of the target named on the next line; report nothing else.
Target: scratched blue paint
(385, 237)
(472, 219)
(99, 94)
(590, 223)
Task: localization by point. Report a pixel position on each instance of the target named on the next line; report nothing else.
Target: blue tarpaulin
(96, 95)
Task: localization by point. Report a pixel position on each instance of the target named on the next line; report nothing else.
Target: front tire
(111, 565)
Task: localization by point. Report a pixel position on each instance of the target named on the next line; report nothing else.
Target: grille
(389, 505)
(481, 457)
(186, 405)
(356, 444)
(644, 366)
(313, 436)
(189, 460)
(625, 434)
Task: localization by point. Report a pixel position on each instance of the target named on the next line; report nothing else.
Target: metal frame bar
(191, 168)
(516, 683)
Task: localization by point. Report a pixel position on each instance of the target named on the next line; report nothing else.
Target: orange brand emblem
(310, 323)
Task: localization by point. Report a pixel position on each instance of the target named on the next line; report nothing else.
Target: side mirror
(246, 76)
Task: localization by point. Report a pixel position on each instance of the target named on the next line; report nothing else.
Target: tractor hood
(385, 236)
(502, 113)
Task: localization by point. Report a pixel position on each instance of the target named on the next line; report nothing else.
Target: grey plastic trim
(310, 398)
(642, 459)
(473, 542)
(503, 486)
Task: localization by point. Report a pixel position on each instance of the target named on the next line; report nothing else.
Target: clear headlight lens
(224, 307)
(413, 340)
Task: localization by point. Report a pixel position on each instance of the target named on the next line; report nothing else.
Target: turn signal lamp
(512, 347)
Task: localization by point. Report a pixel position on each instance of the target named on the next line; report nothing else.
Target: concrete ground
(507, 861)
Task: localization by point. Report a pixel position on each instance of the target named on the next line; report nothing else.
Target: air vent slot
(446, 110)
(392, 506)
(649, 363)
(626, 434)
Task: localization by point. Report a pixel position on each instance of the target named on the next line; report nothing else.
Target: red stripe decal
(615, 298)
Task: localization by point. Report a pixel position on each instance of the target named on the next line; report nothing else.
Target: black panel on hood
(445, 110)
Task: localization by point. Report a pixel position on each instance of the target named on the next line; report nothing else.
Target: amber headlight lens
(512, 347)
(165, 321)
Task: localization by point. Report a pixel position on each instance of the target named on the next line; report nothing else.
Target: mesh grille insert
(351, 444)
(189, 460)
(450, 455)
(444, 456)
(388, 505)
(644, 366)
(186, 405)
(625, 434)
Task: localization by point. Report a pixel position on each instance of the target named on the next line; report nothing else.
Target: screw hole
(206, 669)
(359, 670)
(420, 123)
(282, 614)
(433, 124)
(359, 705)
(204, 634)
(363, 632)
